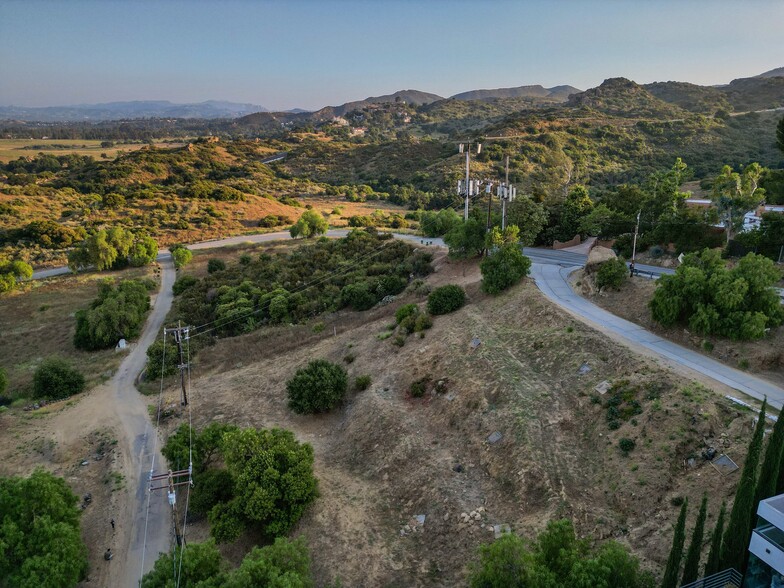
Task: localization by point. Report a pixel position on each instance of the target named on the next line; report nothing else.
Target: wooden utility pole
(180, 335)
(170, 486)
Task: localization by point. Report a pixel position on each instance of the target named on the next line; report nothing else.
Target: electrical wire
(152, 462)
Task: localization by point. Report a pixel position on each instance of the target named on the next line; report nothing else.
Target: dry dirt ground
(385, 457)
(764, 357)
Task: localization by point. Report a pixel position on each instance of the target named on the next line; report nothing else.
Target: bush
(423, 322)
(56, 379)
(319, 387)
(245, 259)
(405, 311)
(181, 256)
(310, 224)
(362, 382)
(612, 273)
(418, 388)
(215, 265)
(183, 283)
(626, 445)
(155, 360)
(3, 382)
(445, 299)
(503, 269)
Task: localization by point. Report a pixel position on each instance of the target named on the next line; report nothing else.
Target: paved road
(552, 281)
(139, 441)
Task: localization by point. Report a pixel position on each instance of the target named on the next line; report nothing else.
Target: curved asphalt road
(552, 280)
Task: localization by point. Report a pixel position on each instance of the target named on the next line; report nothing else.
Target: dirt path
(136, 436)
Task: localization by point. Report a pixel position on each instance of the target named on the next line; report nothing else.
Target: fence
(726, 579)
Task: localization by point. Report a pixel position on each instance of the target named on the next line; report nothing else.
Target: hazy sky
(307, 54)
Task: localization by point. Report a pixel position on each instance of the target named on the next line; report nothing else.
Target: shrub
(245, 259)
(362, 382)
(55, 378)
(319, 327)
(503, 269)
(215, 265)
(182, 283)
(155, 360)
(3, 382)
(310, 224)
(319, 387)
(612, 273)
(358, 296)
(270, 221)
(419, 387)
(349, 358)
(405, 311)
(626, 444)
(181, 255)
(445, 299)
(423, 322)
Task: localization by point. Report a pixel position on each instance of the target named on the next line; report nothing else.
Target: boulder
(598, 255)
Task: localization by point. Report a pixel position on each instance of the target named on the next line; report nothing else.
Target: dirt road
(136, 435)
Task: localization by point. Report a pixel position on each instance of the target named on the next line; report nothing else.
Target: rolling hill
(560, 93)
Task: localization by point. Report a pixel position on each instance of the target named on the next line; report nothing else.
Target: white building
(766, 548)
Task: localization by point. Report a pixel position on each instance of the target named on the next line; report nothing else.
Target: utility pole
(180, 335)
(172, 482)
(634, 244)
(468, 187)
(507, 193)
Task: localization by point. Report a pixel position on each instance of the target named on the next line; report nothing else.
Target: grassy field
(11, 149)
(38, 322)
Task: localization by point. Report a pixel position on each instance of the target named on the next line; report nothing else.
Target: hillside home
(766, 548)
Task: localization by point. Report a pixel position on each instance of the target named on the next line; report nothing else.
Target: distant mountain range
(558, 93)
(762, 91)
(134, 109)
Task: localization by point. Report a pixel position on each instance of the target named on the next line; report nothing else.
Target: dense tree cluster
(357, 272)
(283, 564)
(40, 540)
(710, 298)
(556, 558)
(117, 313)
(113, 248)
(267, 480)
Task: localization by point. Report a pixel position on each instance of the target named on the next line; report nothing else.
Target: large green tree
(118, 312)
(691, 568)
(40, 542)
(736, 537)
(735, 194)
(714, 555)
(505, 265)
(466, 239)
(670, 579)
(310, 224)
(738, 303)
(529, 216)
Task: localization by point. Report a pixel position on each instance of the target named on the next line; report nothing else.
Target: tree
(115, 314)
(284, 564)
(40, 541)
(113, 248)
(181, 255)
(319, 387)
(735, 194)
(738, 303)
(770, 473)
(556, 558)
(714, 555)
(273, 481)
(692, 565)
(310, 224)
(676, 551)
(736, 537)
(780, 134)
(11, 272)
(505, 266)
(56, 379)
(445, 299)
(143, 251)
(466, 239)
(530, 216)
(436, 224)
(202, 566)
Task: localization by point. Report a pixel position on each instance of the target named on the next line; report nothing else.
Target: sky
(312, 53)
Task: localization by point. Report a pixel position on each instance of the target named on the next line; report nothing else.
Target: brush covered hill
(510, 433)
(755, 93)
(558, 93)
(701, 99)
(622, 97)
